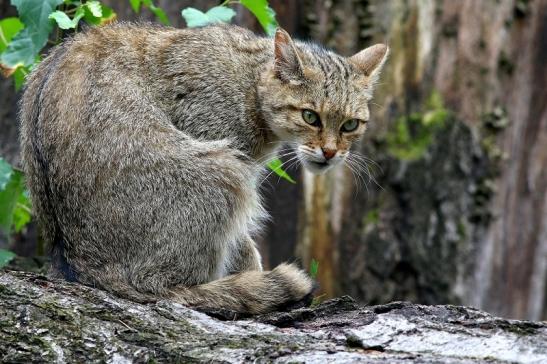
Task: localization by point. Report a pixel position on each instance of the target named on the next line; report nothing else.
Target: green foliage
(314, 268)
(276, 165)
(136, 5)
(372, 217)
(218, 14)
(14, 202)
(26, 45)
(5, 257)
(93, 12)
(64, 22)
(22, 39)
(223, 14)
(9, 27)
(264, 14)
(414, 133)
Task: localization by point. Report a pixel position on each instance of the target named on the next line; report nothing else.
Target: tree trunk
(459, 211)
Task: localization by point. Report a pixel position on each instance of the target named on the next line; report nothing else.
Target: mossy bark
(55, 321)
(463, 219)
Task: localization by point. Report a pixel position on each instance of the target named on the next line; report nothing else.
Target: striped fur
(144, 148)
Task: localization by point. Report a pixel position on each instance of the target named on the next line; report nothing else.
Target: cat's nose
(328, 153)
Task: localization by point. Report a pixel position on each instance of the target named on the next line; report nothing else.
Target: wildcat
(143, 148)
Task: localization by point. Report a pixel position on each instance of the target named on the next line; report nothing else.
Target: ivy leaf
(95, 8)
(11, 187)
(135, 5)
(314, 268)
(64, 22)
(22, 212)
(27, 44)
(19, 77)
(194, 18)
(264, 14)
(218, 14)
(5, 257)
(160, 14)
(5, 173)
(276, 166)
(8, 28)
(107, 15)
(156, 10)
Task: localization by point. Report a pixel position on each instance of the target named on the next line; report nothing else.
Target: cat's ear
(287, 65)
(371, 60)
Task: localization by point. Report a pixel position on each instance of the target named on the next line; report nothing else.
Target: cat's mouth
(317, 167)
(319, 164)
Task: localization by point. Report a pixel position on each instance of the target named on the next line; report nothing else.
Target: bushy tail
(251, 292)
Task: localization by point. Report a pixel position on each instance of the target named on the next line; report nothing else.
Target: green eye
(311, 117)
(350, 125)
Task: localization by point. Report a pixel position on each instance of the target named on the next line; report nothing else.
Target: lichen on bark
(55, 321)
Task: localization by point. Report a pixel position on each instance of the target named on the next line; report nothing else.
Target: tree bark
(56, 321)
(465, 221)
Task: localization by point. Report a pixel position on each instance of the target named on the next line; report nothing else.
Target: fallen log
(44, 320)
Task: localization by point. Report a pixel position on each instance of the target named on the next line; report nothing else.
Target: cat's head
(317, 99)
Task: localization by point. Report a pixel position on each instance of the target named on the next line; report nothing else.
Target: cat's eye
(311, 117)
(350, 125)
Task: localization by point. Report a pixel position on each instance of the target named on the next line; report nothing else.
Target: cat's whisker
(366, 163)
(376, 104)
(363, 164)
(357, 180)
(361, 156)
(353, 173)
(294, 163)
(277, 154)
(358, 167)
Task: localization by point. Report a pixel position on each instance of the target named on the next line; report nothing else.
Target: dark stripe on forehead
(340, 80)
(338, 62)
(324, 69)
(346, 70)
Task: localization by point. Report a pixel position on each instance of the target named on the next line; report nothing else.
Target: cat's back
(134, 45)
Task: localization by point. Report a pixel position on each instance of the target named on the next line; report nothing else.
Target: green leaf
(264, 14)
(218, 14)
(194, 18)
(28, 43)
(19, 76)
(22, 212)
(95, 8)
(11, 187)
(5, 173)
(5, 257)
(107, 15)
(276, 166)
(64, 22)
(8, 28)
(160, 14)
(135, 5)
(156, 10)
(314, 268)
